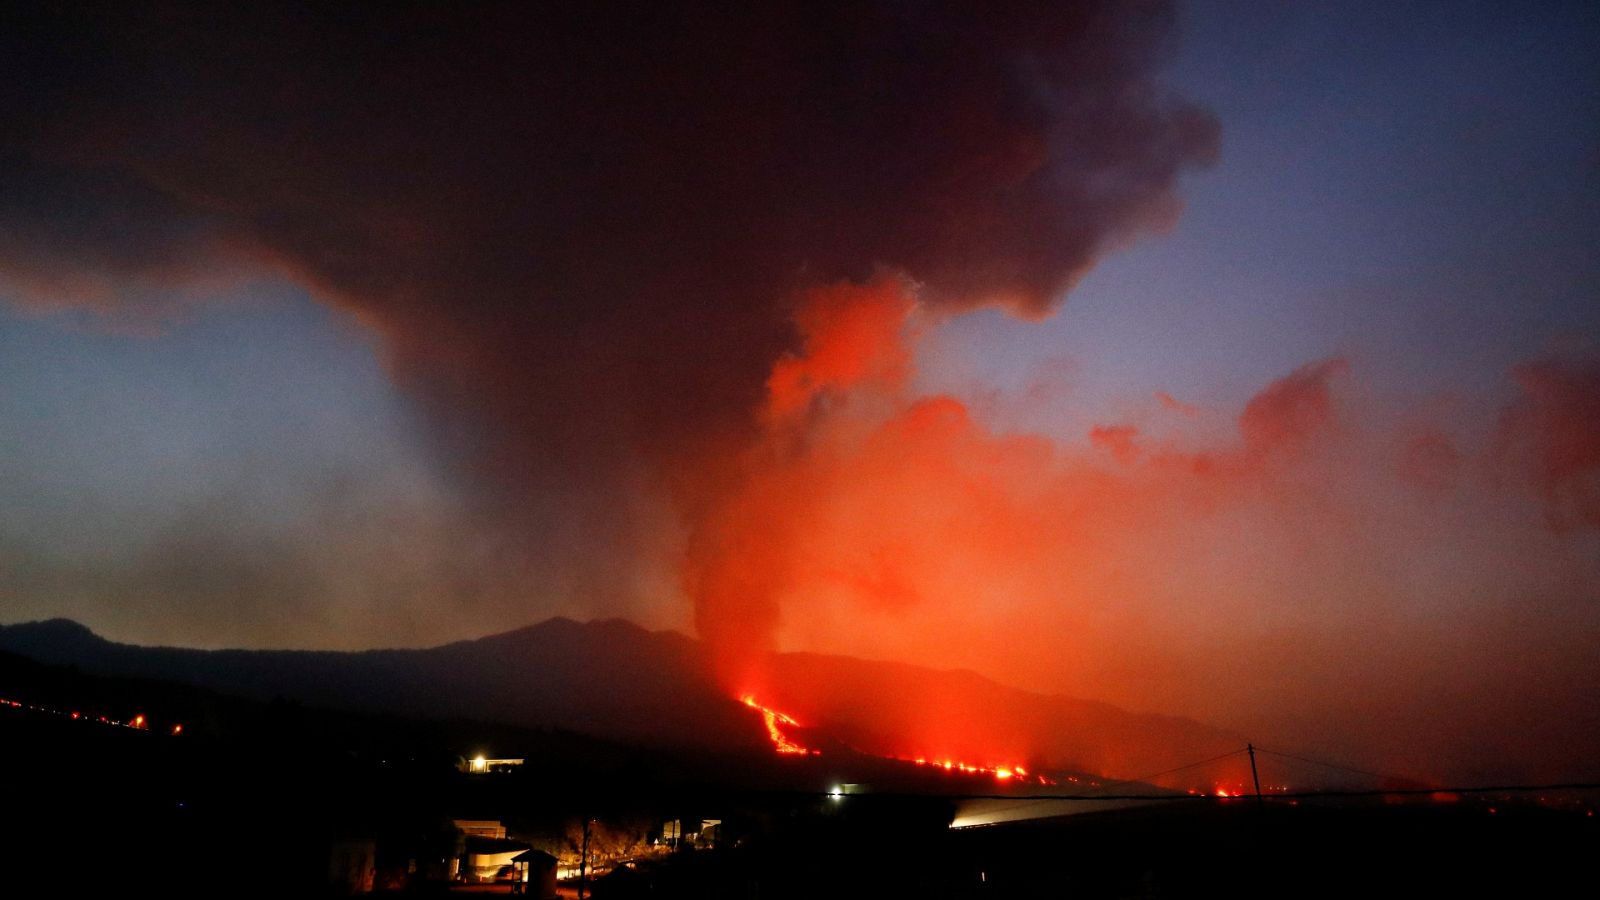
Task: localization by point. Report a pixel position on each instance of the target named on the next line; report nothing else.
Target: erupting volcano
(751, 322)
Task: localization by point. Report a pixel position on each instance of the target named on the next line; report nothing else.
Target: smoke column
(656, 277)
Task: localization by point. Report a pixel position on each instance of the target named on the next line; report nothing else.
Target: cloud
(656, 277)
(1551, 437)
(1173, 404)
(1121, 441)
(582, 232)
(1305, 582)
(1291, 410)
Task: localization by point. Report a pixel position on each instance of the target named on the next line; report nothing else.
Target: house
(490, 859)
(534, 874)
(489, 828)
(486, 852)
(482, 765)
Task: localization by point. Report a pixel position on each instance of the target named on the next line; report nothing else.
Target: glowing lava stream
(1002, 773)
(783, 744)
(772, 718)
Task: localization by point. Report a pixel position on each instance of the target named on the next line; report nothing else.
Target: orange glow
(773, 719)
(784, 744)
(1002, 773)
(874, 506)
(869, 515)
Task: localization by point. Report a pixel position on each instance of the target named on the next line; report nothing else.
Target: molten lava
(784, 744)
(773, 719)
(1001, 773)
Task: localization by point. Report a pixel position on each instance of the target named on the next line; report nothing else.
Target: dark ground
(249, 799)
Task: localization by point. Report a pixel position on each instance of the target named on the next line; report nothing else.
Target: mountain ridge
(616, 679)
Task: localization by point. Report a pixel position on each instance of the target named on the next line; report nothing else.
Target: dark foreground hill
(261, 798)
(617, 680)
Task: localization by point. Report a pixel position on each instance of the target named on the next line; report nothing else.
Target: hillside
(617, 680)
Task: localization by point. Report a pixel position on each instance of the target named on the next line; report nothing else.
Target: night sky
(1233, 360)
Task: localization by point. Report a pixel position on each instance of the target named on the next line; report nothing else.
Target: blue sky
(1416, 186)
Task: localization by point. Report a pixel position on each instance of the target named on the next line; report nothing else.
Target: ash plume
(580, 229)
(656, 276)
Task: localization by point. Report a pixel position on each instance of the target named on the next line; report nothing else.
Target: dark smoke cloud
(592, 237)
(579, 227)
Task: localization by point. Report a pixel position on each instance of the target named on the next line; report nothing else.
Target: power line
(1290, 795)
(1329, 765)
(1194, 765)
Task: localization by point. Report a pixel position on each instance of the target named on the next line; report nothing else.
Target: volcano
(616, 680)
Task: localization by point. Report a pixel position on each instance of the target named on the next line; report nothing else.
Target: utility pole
(1253, 776)
(583, 863)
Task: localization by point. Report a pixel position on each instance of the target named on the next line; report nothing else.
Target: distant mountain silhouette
(617, 680)
(903, 710)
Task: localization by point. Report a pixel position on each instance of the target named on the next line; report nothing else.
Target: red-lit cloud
(1552, 436)
(655, 275)
(1307, 581)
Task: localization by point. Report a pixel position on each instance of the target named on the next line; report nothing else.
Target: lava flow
(783, 744)
(1001, 773)
(779, 740)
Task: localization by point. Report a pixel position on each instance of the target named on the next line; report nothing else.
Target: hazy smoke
(579, 228)
(592, 239)
(1327, 578)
